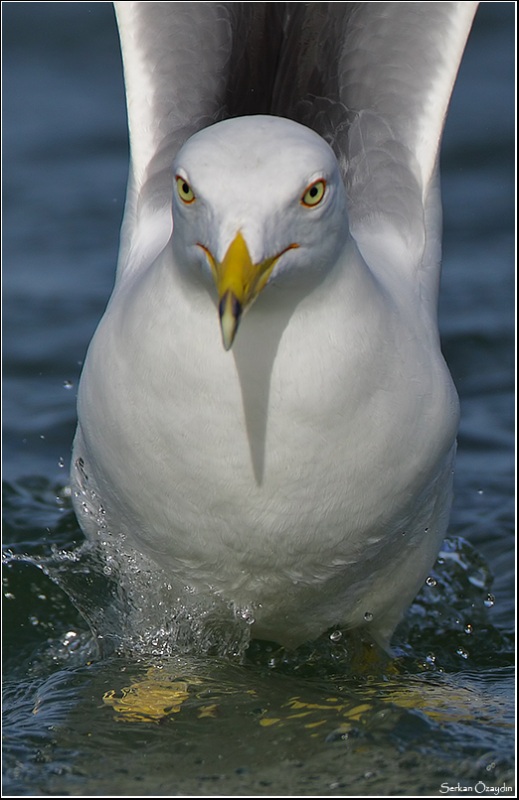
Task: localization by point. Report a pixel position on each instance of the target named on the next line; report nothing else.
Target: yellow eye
(184, 190)
(314, 193)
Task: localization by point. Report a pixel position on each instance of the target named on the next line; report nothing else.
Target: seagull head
(257, 200)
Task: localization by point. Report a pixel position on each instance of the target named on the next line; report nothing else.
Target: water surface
(93, 717)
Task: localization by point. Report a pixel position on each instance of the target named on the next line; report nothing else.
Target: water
(123, 712)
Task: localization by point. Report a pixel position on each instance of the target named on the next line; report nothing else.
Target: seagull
(264, 411)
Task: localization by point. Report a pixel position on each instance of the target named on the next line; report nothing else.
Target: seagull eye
(184, 190)
(314, 194)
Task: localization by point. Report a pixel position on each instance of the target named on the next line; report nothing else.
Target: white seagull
(264, 409)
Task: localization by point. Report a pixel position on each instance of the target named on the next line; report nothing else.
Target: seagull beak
(238, 282)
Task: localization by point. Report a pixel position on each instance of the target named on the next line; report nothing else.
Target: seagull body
(264, 409)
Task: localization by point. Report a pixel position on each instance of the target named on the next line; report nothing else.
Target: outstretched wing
(186, 65)
(374, 79)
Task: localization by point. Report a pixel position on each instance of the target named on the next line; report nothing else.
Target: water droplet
(68, 385)
(336, 636)
(61, 462)
(246, 615)
(426, 530)
(468, 628)
(461, 652)
(368, 616)
(9, 596)
(431, 581)
(431, 658)
(480, 491)
(338, 735)
(42, 436)
(489, 600)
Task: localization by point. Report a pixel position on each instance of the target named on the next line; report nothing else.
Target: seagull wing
(186, 66)
(374, 79)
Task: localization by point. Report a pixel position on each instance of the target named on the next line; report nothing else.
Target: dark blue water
(324, 721)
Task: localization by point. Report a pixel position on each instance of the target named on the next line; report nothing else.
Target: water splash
(132, 607)
(452, 608)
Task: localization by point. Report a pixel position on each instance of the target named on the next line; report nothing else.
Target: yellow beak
(238, 282)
